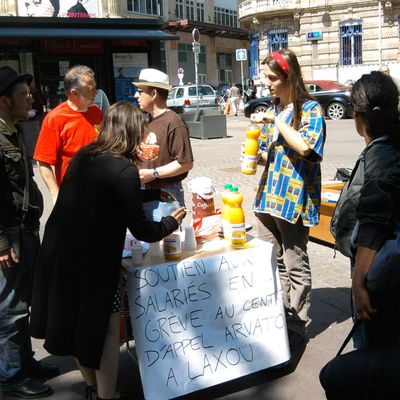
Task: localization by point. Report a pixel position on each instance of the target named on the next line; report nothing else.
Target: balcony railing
(252, 7)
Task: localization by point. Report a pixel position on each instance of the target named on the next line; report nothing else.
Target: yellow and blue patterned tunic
(290, 186)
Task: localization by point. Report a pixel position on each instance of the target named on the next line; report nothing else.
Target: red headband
(281, 61)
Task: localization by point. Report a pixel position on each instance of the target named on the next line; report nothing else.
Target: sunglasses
(140, 91)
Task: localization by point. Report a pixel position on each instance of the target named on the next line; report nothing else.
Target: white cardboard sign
(198, 323)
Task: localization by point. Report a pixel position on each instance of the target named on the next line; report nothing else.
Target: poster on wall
(58, 8)
(127, 67)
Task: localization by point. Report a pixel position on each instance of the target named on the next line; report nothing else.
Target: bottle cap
(234, 189)
(170, 200)
(228, 186)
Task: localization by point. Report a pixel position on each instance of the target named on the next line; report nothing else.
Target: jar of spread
(173, 247)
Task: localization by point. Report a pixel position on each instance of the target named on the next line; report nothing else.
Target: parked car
(222, 89)
(185, 96)
(333, 97)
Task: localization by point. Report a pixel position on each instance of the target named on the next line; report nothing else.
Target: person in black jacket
(79, 263)
(21, 205)
(372, 371)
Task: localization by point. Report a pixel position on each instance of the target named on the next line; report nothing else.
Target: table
(215, 315)
(322, 232)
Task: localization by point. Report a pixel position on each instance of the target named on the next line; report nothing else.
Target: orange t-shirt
(64, 131)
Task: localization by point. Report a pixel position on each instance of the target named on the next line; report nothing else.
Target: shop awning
(83, 28)
(74, 33)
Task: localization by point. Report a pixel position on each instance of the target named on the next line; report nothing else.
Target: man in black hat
(21, 205)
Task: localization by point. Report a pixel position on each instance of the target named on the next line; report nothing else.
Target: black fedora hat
(8, 76)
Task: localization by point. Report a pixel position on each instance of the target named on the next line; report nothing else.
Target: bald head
(384, 69)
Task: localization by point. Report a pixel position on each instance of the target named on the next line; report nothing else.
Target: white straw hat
(154, 78)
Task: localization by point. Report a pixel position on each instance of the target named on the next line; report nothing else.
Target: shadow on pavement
(328, 306)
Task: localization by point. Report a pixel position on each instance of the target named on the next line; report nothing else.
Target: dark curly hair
(375, 98)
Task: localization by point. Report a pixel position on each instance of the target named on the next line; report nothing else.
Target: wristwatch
(155, 173)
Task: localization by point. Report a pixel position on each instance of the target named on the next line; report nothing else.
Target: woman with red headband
(289, 193)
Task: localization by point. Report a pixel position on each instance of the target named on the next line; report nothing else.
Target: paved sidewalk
(219, 159)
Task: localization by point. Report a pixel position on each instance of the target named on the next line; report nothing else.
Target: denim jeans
(15, 297)
(176, 190)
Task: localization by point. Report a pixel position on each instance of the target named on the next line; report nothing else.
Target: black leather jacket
(371, 198)
(12, 183)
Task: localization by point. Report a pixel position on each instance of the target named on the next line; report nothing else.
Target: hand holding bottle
(262, 117)
(179, 214)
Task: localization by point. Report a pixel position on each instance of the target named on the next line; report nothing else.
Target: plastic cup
(190, 239)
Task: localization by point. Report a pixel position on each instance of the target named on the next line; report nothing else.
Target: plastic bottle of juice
(236, 217)
(250, 156)
(226, 225)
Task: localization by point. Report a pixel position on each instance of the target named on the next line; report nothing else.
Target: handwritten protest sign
(204, 321)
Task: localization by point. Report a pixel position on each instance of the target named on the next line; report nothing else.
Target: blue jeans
(176, 190)
(15, 297)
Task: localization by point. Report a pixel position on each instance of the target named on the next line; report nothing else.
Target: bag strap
(25, 201)
(348, 337)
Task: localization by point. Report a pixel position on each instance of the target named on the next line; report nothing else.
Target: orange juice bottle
(226, 225)
(236, 218)
(250, 156)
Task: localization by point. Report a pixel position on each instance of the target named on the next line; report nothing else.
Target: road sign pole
(241, 67)
(196, 51)
(197, 79)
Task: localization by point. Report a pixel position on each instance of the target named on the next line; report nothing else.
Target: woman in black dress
(79, 264)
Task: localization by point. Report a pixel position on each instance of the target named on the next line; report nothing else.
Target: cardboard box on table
(213, 316)
(322, 231)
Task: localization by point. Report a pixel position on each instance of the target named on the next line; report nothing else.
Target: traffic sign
(196, 47)
(241, 54)
(181, 71)
(316, 35)
(196, 35)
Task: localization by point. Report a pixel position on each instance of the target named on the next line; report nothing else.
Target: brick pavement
(219, 159)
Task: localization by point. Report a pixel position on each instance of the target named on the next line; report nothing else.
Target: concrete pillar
(114, 8)
(172, 60)
(211, 60)
(8, 7)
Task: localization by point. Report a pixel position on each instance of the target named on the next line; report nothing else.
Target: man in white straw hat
(169, 131)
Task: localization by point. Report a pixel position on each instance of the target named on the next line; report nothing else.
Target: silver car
(185, 96)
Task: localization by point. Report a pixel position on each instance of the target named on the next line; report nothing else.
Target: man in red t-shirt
(68, 127)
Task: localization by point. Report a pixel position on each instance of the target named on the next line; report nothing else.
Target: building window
(186, 61)
(225, 63)
(189, 9)
(277, 39)
(350, 42)
(200, 12)
(179, 9)
(163, 58)
(225, 16)
(151, 7)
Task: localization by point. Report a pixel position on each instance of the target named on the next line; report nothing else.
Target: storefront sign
(10, 42)
(201, 322)
(58, 8)
(72, 46)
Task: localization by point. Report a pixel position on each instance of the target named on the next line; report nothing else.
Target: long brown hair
(298, 93)
(121, 131)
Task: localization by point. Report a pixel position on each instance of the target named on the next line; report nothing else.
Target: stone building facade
(333, 39)
(220, 36)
